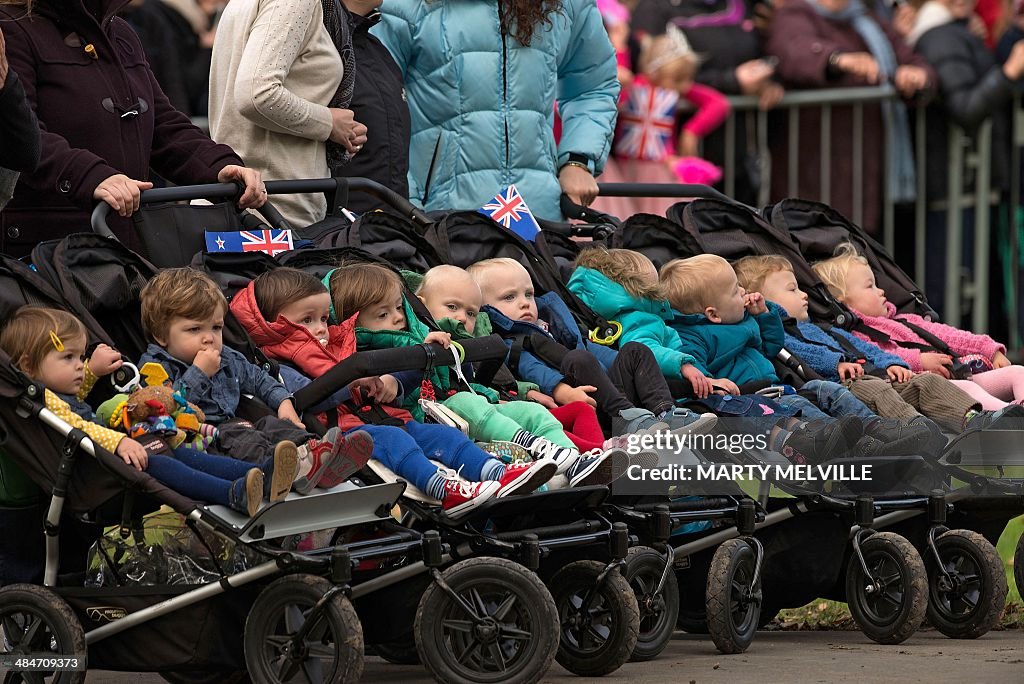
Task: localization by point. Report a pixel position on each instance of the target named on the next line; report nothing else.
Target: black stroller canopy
(818, 230)
(734, 232)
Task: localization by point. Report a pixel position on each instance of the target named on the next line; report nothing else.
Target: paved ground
(792, 657)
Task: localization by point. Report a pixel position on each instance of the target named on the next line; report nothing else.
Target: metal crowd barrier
(963, 164)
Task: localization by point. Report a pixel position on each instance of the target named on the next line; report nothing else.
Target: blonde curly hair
(624, 266)
(834, 272)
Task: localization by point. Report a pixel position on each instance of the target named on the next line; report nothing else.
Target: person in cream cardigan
(275, 71)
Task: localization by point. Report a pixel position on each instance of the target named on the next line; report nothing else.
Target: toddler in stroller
(926, 346)
(627, 386)
(881, 380)
(732, 335)
(49, 346)
(183, 317)
(287, 313)
(443, 290)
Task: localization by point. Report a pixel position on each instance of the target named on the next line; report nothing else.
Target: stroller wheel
(966, 595)
(733, 603)
(486, 620)
(401, 651)
(37, 621)
(890, 603)
(1018, 565)
(658, 609)
(599, 623)
(331, 649)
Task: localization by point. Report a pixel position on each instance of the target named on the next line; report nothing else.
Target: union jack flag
(510, 210)
(646, 123)
(272, 242)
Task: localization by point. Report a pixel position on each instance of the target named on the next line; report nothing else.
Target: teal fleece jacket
(740, 352)
(642, 320)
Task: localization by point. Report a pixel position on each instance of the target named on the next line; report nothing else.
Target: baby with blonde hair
(924, 345)
(628, 388)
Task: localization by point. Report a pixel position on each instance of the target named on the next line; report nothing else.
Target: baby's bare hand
(438, 337)
(208, 361)
(105, 360)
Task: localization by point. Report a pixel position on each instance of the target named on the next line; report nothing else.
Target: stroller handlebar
(383, 361)
(224, 191)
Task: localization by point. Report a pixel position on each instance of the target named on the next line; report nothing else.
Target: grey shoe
(632, 420)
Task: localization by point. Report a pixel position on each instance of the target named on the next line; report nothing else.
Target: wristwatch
(579, 160)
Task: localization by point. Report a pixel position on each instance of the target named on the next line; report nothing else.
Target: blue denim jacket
(218, 396)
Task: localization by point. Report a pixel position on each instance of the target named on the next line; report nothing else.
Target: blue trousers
(406, 451)
(827, 400)
(198, 475)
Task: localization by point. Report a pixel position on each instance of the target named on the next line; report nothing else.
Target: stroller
(906, 487)
(580, 584)
(467, 237)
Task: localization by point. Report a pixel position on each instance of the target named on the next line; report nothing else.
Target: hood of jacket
(609, 299)
(291, 343)
(458, 331)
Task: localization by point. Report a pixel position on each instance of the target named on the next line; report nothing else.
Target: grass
(825, 614)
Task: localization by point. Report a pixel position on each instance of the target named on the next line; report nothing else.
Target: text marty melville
(719, 472)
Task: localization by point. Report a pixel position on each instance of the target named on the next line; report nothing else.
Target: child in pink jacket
(849, 277)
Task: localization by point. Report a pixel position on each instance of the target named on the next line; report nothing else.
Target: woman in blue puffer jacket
(482, 78)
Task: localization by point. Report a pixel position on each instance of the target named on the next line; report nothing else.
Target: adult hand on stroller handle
(223, 191)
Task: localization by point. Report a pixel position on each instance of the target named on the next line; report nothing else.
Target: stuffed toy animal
(157, 409)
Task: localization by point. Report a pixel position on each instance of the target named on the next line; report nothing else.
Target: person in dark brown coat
(105, 122)
(840, 44)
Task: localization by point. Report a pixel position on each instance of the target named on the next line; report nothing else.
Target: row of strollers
(592, 577)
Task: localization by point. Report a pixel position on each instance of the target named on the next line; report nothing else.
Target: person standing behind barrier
(378, 101)
(105, 122)
(665, 80)
(482, 77)
(280, 85)
(728, 35)
(840, 43)
(972, 89)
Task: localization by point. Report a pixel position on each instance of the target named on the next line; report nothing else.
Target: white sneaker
(562, 456)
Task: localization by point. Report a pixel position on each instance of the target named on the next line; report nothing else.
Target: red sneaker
(461, 497)
(523, 478)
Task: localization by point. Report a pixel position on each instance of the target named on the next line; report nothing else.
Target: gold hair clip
(57, 344)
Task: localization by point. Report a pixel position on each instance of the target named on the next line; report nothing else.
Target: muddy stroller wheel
(401, 651)
(285, 640)
(486, 620)
(967, 592)
(890, 601)
(658, 609)
(38, 622)
(733, 598)
(599, 622)
(1018, 565)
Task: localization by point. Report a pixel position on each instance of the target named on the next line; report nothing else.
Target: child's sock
(435, 486)
(492, 470)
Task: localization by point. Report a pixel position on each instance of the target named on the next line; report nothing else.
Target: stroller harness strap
(543, 347)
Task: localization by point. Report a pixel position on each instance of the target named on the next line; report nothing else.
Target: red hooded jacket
(294, 345)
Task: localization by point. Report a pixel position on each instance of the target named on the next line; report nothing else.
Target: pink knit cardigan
(961, 342)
